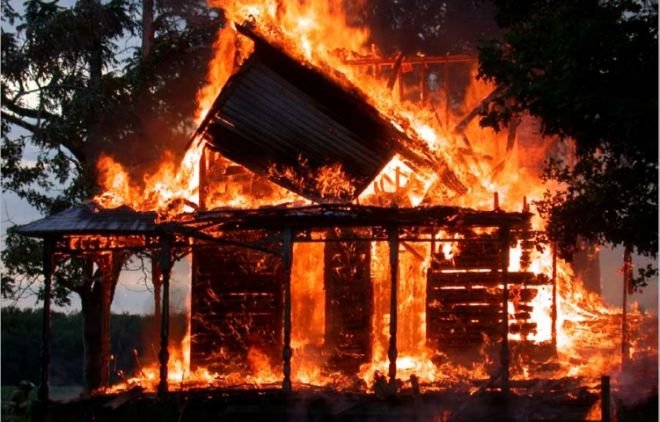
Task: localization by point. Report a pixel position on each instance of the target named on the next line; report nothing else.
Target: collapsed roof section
(291, 123)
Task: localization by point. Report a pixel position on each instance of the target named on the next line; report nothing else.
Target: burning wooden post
(393, 241)
(105, 261)
(504, 358)
(287, 253)
(553, 315)
(164, 355)
(627, 287)
(605, 398)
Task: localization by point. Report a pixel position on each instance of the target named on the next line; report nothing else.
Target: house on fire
(283, 122)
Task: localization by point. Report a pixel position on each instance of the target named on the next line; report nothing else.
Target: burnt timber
(236, 307)
(348, 302)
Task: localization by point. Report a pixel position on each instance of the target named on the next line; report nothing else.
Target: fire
(172, 189)
(320, 34)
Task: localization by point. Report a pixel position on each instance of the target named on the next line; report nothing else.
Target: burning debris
(341, 237)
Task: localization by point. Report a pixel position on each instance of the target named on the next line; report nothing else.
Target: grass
(57, 392)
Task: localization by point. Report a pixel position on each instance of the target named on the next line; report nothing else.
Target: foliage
(429, 26)
(588, 70)
(75, 84)
(21, 344)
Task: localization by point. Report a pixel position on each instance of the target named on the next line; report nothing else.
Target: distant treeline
(21, 344)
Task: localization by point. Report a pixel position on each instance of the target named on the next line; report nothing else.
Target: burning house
(332, 243)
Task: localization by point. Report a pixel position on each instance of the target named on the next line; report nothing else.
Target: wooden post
(203, 167)
(422, 85)
(164, 355)
(393, 240)
(105, 262)
(504, 357)
(287, 254)
(47, 263)
(157, 282)
(605, 398)
(433, 246)
(446, 83)
(554, 296)
(627, 282)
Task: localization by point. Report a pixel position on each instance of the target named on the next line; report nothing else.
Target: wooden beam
(460, 127)
(605, 399)
(395, 72)
(627, 283)
(554, 295)
(413, 60)
(504, 356)
(105, 261)
(393, 241)
(287, 255)
(164, 355)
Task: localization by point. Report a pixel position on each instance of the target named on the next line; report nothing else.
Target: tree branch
(27, 112)
(19, 122)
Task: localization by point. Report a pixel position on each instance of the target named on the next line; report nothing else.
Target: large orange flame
(321, 34)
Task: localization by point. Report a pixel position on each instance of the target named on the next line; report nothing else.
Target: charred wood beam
(163, 356)
(413, 252)
(45, 321)
(510, 143)
(108, 280)
(393, 235)
(445, 83)
(395, 71)
(513, 129)
(287, 255)
(496, 93)
(414, 60)
(327, 216)
(553, 327)
(202, 185)
(505, 358)
(196, 233)
(627, 287)
(605, 399)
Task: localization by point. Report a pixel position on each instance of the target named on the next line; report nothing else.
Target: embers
(236, 308)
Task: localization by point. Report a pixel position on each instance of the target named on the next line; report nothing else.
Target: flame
(160, 191)
(320, 34)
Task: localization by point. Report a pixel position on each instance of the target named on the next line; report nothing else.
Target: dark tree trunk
(93, 146)
(147, 27)
(96, 301)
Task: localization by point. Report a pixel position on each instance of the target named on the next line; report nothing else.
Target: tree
(76, 83)
(429, 26)
(588, 69)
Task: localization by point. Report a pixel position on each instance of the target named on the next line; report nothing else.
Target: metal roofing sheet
(287, 121)
(90, 219)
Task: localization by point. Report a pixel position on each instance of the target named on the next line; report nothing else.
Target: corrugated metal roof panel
(276, 114)
(89, 219)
